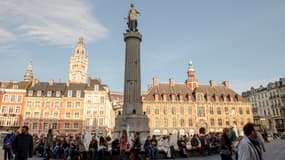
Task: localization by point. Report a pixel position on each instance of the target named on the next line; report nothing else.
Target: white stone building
(99, 116)
(269, 105)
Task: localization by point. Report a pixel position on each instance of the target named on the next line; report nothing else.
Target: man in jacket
(7, 146)
(249, 148)
(23, 145)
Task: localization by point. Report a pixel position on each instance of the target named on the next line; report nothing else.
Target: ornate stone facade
(78, 65)
(185, 108)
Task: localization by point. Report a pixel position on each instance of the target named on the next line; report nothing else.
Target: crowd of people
(20, 146)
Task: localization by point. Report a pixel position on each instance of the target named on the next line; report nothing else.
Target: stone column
(132, 118)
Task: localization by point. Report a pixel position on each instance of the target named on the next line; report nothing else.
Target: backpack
(8, 143)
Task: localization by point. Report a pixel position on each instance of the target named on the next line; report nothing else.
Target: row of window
(50, 104)
(94, 111)
(50, 115)
(200, 110)
(12, 98)
(95, 122)
(39, 93)
(9, 121)
(95, 99)
(190, 122)
(55, 125)
(44, 125)
(10, 109)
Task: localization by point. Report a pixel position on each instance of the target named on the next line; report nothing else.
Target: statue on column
(133, 19)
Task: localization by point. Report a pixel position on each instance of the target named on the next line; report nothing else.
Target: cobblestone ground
(275, 150)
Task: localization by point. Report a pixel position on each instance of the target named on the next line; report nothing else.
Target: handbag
(225, 152)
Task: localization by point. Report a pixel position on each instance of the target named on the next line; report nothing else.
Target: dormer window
(156, 97)
(78, 93)
(229, 98)
(236, 98)
(49, 93)
(180, 97)
(96, 87)
(189, 97)
(30, 93)
(164, 97)
(57, 93)
(173, 97)
(15, 86)
(69, 93)
(223, 98)
(39, 93)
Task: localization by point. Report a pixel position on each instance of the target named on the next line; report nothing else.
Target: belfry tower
(78, 65)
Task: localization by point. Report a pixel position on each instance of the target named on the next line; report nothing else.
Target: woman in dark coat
(226, 145)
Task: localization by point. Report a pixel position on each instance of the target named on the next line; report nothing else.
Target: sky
(240, 41)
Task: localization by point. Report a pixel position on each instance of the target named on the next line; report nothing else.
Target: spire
(192, 81)
(29, 72)
(81, 40)
(191, 71)
(190, 66)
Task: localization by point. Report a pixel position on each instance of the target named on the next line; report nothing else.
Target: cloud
(51, 21)
(6, 36)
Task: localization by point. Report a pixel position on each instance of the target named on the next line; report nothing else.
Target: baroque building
(98, 111)
(78, 65)
(190, 107)
(12, 103)
(68, 108)
(268, 105)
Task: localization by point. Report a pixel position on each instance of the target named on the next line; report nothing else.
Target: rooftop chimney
(212, 83)
(171, 82)
(226, 84)
(51, 82)
(68, 83)
(155, 81)
(89, 81)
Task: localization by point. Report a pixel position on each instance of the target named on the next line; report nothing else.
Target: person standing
(49, 144)
(123, 145)
(249, 147)
(136, 148)
(154, 150)
(23, 145)
(226, 145)
(7, 146)
(93, 147)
